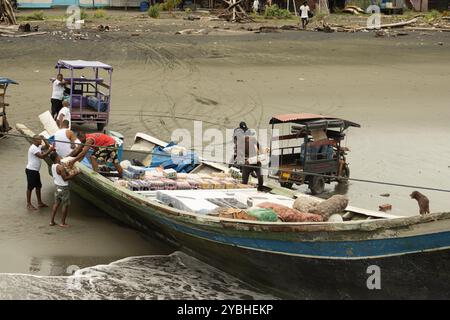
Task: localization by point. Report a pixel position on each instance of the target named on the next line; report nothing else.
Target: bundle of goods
(168, 179)
(227, 203)
(134, 172)
(170, 174)
(139, 185)
(187, 201)
(169, 184)
(182, 185)
(235, 173)
(121, 183)
(232, 213)
(287, 214)
(263, 214)
(326, 208)
(66, 164)
(193, 184)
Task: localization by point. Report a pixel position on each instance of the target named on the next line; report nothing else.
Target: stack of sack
(287, 214)
(329, 209)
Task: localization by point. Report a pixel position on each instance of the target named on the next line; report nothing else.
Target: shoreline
(397, 88)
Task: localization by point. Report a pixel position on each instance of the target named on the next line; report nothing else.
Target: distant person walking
(35, 154)
(256, 6)
(58, 86)
(62, 193)
(304, 14)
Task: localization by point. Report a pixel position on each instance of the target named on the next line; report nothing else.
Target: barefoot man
(35, 154)
(62, 194)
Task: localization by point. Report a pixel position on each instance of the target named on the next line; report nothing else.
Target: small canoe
(374, 255)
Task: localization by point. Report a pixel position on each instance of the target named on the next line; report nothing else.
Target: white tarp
(195, 200)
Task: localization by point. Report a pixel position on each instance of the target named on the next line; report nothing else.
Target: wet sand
(396, 88)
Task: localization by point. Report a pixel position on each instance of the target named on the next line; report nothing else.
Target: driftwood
(428, 29)
(234, 12)
(192, 31)
(273, 28)
(7, 12)
(340, 28)
(23, 34)
(391, 25)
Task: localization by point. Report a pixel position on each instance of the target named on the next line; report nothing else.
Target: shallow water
(176, 276)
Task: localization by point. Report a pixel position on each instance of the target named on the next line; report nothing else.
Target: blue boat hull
(295, 264)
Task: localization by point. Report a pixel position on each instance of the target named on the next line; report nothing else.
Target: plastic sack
(263, 214)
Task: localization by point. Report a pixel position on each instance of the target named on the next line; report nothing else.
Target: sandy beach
(395, 87)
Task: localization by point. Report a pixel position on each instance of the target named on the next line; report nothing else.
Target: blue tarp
(181, 163)
(7, 81)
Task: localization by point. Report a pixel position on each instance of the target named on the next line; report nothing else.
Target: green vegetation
(169, 5)
(99, 14)
(153, 11)
(276, 12)
(38, 15)
(320, 16)
(432, 16)
(83, 14)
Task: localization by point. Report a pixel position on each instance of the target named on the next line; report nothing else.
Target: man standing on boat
(247, 158)
(65, 140)
(62, 194)
(35, 154)
(238, 135)
(57, 95)
(104, 147)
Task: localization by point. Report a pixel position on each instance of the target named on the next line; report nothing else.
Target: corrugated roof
(302, 118)
(7, 81)
(79, 64)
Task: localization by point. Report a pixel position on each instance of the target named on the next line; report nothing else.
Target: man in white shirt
(304, 14)
(65, 140)
(35, 155)
(255, 6)
(57, 94)
(62, 193)
(64, 114)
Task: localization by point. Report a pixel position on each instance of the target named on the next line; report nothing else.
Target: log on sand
(390, 25)
(341, 28)
(23, 34)
(428, 29)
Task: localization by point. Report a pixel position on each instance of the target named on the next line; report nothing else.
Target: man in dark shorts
(104, 150)
(250, 161)
(35, 154)
(57, 95)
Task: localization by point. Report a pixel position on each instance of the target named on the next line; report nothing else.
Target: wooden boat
(4, 126)
(374, 255)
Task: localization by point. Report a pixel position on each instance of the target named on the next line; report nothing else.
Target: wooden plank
(376, 214)
(23, 34)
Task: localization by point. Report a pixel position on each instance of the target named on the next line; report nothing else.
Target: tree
(7, 12)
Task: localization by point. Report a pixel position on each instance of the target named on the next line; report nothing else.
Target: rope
(304, 173)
